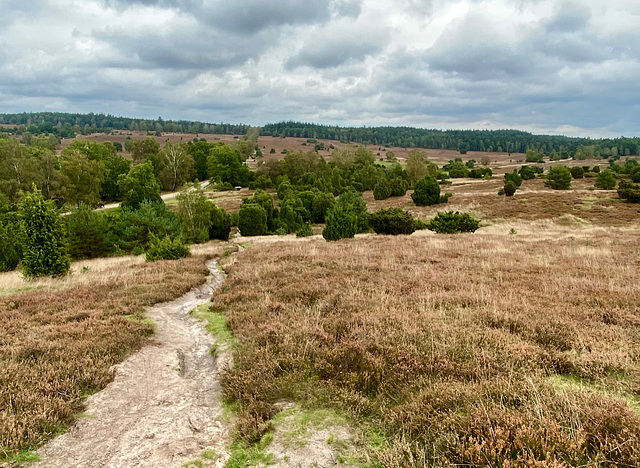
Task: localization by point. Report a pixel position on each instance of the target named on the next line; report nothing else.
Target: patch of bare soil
(163, 407)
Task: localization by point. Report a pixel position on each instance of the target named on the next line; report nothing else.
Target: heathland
(514, 345)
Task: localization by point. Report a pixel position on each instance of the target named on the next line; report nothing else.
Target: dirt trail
(162, 409)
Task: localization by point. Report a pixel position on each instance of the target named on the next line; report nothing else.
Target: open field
(468, 349)
(60, 337)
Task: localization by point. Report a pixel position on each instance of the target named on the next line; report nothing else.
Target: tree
(143, 150)
(88, 233)
(177, 166)
(606, 180)
(577, 172)
(510, 188)
(559, 178)
(485, 160)
(10, 237)
(353, 202)
(44, 248)
(194, 211)
(427, 192)
(114, 166)
(252, 220)
(341, 224)
(199, 151)
(416, 168)
(513, 177)
(220, 223)
(138, 185)
(382, 190)
(322, 203)
(533, 156)
(84, 178)
(224, 164)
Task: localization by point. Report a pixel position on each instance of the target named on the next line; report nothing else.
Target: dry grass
(477, 350)
(60, 339)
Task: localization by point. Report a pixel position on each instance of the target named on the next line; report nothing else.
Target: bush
(341, 223)
(353, 202)
(606, 180)
(527, 173)
(392, 221)
(628, 191)
(382, 189)
(44, 248)
(577, 172)
(559, 178)
(513, 177)
(510, 188)
(426, 192)
(398, 186)
(451, 222)
(166, 249)
(220, 224)
(10, 241)
(320, 206)
(88, 233)
(252, 220)
(305, 230)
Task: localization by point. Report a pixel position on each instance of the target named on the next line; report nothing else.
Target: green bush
(513, 177)
(305, 230)
(510, 188)
(606, 180)
(166, 249)
(252, 220)
(320, 206)
(382, 189)
(220, 223)
(88, 233)
(577, 172)
(628, 191)
(10, 241)
(451, 222)
(341, 223)
(426, 192)
(559, 178)
(399, 187)
(44, 247)
(527, 173)
(353, 202)
(392, 221)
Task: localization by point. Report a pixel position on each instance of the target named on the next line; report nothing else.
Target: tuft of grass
(216, 324)
(244, 455)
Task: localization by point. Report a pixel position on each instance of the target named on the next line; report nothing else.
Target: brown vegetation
(60, 339)
(496, 350)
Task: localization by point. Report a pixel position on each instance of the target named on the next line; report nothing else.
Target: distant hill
(66, 125)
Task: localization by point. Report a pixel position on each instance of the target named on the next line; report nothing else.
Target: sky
(545, 66)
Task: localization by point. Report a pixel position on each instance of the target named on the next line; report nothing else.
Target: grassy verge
(60, 339)
(453, 347)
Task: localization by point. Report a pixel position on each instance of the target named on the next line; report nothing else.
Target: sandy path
(162, 409)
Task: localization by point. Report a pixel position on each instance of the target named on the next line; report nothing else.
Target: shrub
(527, 173)
(513, 177)
(577, 172)
(88, 233)
(398, 186)
(341, 223)
(426, 192)
(320, 206)
(44, 248)
(382, 189)
(628, 191)
(262, 182)
(354, 203)
(451, 222)
(510, 188)
(305, 230)
(10, 241)
(392, 221)
(252, 220)
(559, 178)
(606, 180)
(220, 223)
(166, 249)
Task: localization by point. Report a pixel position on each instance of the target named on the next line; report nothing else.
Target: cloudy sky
(547, 66)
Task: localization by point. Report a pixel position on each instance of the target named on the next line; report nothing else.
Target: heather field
(485, 349)
(60, 337)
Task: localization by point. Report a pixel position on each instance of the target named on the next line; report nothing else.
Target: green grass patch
(142, 319)
(216, 325)
(21, 456)
(244, 455)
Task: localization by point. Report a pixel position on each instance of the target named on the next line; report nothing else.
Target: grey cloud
(334, 47)
(347, 8)
(571, 17)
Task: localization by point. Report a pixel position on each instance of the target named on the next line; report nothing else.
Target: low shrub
(392, 221)
(452, 222)
(305, 230)
(341, 224)
(577, 172)
(628, 191)
(510, 188)
(426, 192)
(166, 249)
(606, 180)
(252, 220)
